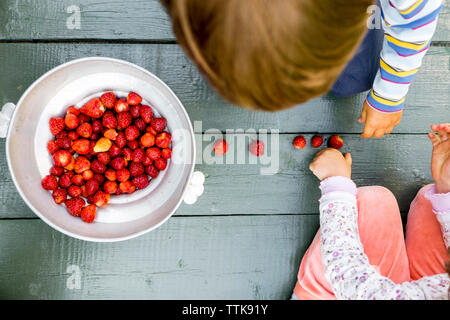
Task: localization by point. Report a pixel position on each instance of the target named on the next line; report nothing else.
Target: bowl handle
(5, 118)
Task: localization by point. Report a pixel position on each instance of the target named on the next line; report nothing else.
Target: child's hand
(440, 159)
(378, 123)
(330, 163)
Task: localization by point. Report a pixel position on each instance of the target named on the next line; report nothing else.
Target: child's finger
(434, 139)
(379, 133)
(368, 132)
(442, 134)
(363, 116)
(348, 158)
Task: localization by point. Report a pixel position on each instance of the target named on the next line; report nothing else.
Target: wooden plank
(427, 102)
(127, 19)
(187, 258)
(398, 162)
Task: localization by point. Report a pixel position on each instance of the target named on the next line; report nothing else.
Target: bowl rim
(41, 216)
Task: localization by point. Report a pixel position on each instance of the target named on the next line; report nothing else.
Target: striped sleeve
(408, 26)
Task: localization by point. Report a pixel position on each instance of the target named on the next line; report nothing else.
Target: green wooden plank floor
(246, 235)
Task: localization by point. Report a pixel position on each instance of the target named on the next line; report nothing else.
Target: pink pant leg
(381, 233)
(424, 243)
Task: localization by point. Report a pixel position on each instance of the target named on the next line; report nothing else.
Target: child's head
(266, 54)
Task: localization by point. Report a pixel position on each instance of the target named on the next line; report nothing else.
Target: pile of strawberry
(110, 146)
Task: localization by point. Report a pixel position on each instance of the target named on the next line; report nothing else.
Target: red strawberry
(71, 121)
(147, 140)
(83, 118)
(133, 145)
(153, 153)
(71, 165)
(299, 142)
(121, 140)
(140, 124)
(109, 120)
(73, 110)
(98, 167)
(100, 178)
(159, 124)
(85, 130)
(73, 135)
(56, 171)
(104, 157)
(52, 147)
(94, 108)
(61, 135)
(336, 142)
(133, 99)
(316, 141)
(118, 163)
(124, 120)
(147, 161)
(74, 191)
(65, 181)
(110, 187)
(62, 158)
(101, 199)
(81, 146)
(152, 171)
(88, 213)
(87, 175)
(134, 111)
(123, 175)
(49, 183)
(78, 180)
(59, 195)
(166, 153)
(82, 164)
(56, 125)
(131, 133)
(108, 99)
(92, 187)
(151, 130)
(111, 134)
(136, 169)
(84, 191)
(74, 206)
(121, 106)
(161, 164)
(64, 143)
(127, 154)
(257, 148)
(138, 155)
(146, 113)
(97, 126)
(140, 182)
(127, 187)
(220, 147)
(163, 140)
(114, 151)
(110, 174)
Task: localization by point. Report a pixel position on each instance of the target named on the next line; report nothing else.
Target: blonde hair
(265, 54)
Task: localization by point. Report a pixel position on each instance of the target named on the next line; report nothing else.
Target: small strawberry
(56, 171)
(73, 110)
(136, 169)
(121, 106)
(84, 191)
(110, 187)
(163, 139)
(159, 124)
(111, 134)
(123, 175)
(73, 135)
(100, 178)
(108, 99)
(77, 180)
(56, 125)
(121, 140)
(153, 153)
(59, 195)
(94, 108)
(335, 142)
(140, 124)
(64, 143)
(87, 175)
(161, 164)
(220, 147)
(151, 130)
(74, 206)
(133, 145)
(81, 146)
(127, 187)
(104, 157)
(83, 118)
(85, 130)
(103, 145)
(166, 153)
(124, 119)
(299, 142)
(140, 182)
(127, 154)
(98, 167)
(134, 111)
(152, 171)
(147, 161)
(138, 155)
(109, 120)
(92, 187)
(118, 163)
(82, 164)
(61, 135)
(49, 183)
(114, 151)
(256, 148)
(146, 113)
(52, 147)
(134, 99)
(74, 191)
(88, 213)
(71, 165)
(97, 126)
(316, 141)
(62, 158)
(101, 199)
(131, 133)
(110, 174)
(147, 140)
(65, 181)
(71, 121)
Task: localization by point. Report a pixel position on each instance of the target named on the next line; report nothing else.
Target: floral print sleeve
(347, 267)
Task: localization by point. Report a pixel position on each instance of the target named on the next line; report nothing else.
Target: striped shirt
(408, 26)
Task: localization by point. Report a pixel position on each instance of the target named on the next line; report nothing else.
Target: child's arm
(409, 26)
